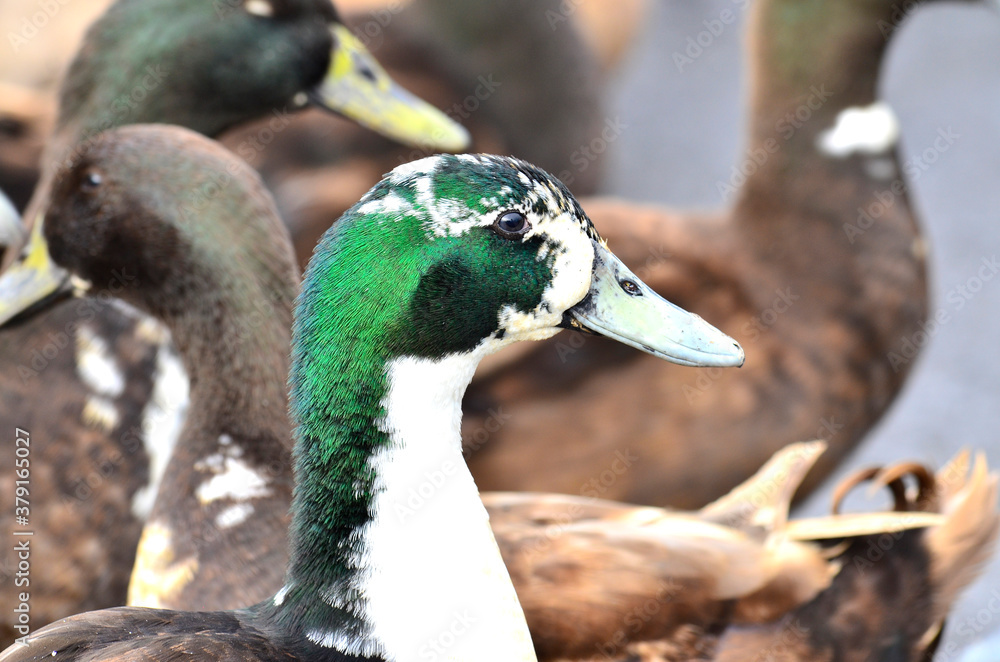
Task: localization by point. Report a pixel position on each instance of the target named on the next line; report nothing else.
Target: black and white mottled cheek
(571, 249)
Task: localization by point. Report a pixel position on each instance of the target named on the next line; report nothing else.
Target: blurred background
(679, 131)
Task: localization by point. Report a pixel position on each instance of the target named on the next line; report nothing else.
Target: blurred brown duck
(94, 379)
(818, 269)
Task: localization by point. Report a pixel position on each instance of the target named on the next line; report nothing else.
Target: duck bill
(622, 307)
(357, 87)
(33, 280)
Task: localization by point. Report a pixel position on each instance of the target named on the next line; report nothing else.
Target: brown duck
(823, 296)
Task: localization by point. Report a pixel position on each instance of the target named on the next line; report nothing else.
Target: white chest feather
(437, 588)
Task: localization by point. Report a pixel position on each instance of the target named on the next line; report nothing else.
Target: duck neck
(392, 554)
(234, 342)
(801, 88)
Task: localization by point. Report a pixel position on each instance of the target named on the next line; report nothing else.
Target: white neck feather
(436, 585)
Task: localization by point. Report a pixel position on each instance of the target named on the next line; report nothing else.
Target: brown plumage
(853, 587)
(76, 495)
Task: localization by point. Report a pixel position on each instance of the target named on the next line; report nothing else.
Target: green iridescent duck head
(467, 253)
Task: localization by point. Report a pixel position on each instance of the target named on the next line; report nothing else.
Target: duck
(118, 389)
(673, 578)
(448, 259)
(818, 267)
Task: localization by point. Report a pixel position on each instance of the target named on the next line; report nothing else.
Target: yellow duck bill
(32, 280)
(622, 307)
(357, 87)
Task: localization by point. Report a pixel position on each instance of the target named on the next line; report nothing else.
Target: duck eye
(91, 180)
(511, 225)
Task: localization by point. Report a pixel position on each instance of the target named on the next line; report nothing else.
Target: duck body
(209, 71)
(445, 261)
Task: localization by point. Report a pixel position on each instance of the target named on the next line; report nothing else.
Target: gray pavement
(684, 132)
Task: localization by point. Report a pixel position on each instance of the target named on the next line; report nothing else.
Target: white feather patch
(234, 479)
(330, 639)
(261, 8)
(162, 420)
(100, 413)
(418, 168)
(233, 515)
(96, 365)
(393, 203)
(873, 129)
